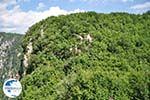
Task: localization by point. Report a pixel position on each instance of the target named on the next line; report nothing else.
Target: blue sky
(104, 6)
(19, 15)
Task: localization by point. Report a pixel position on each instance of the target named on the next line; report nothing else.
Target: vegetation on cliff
(88, 56)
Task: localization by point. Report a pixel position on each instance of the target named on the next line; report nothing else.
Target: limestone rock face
(10, 53)
(29, 49)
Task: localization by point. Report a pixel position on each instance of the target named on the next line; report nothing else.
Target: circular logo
(12, 88)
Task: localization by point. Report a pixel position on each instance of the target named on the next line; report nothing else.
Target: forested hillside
(10, 57)
(88, 56)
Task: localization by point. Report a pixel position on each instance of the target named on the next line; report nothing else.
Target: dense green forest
(10, 57)
(88, 56)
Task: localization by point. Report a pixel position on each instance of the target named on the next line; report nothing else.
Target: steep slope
(10, 55)
(88, 56)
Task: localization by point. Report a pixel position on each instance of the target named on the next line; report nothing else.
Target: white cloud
(106, 0)
(89, 0)
(26, 0)
(11, 2)
(23, 0)
(145, 5)
(19, 21)
(124, 0)
(40, 6)
(5, 3)
(127, 0)
(8, 1)
(71, 0)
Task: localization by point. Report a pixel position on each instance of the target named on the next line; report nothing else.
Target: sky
(18, 15)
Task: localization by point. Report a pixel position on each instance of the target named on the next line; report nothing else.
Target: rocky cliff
(10, 56)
